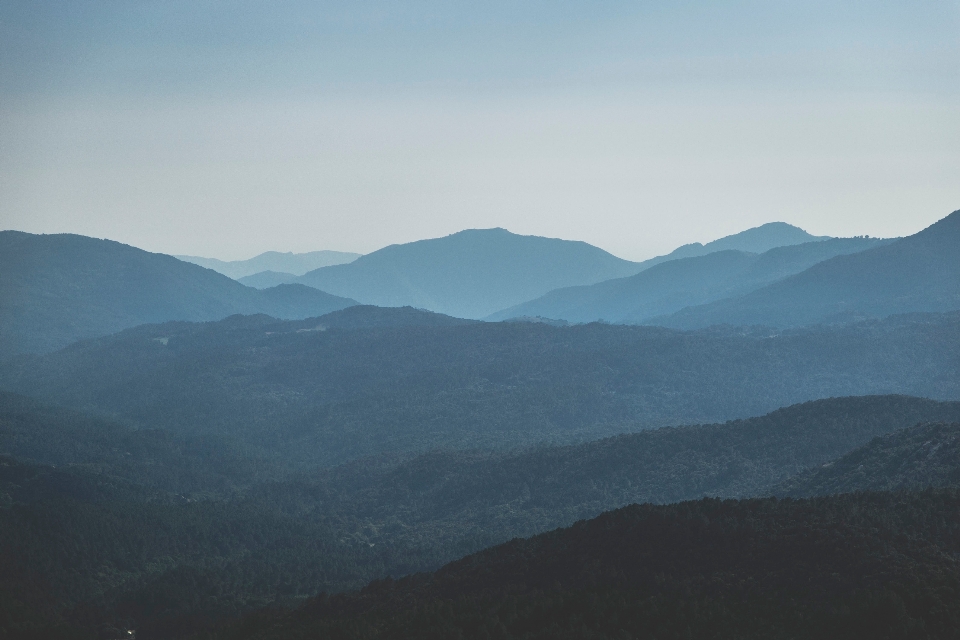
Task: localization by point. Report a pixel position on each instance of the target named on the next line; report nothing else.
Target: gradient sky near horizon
(225, 129)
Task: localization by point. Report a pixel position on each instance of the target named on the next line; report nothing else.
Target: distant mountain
(855, 566)
(266, 279)
(925, 455)
(365, 381)
(293, 263)
(477, 272)
(57, 289)
(469, 274)
(672, 285)
(919, 273)
(756, 240)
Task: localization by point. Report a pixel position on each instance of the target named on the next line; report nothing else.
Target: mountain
(57, 289)
(755, 240)
(38, 433)
(266, 279)
(469, 274)
(454, 502)
(855, 566)
(925, 455)
(670, 286)
(293, 263)
(368, 380)
(915, 274)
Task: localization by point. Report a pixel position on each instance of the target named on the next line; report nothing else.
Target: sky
(225, 129)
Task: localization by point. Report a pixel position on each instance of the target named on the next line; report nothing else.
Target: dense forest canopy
(321, 394)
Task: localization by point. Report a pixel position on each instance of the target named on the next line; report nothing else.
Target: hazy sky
(229, 128)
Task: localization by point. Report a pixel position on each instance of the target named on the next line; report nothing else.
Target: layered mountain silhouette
(756, 240)
(469, 274)
(57, 289)
(267, 279)
(914, 274)
(367, 380)
(924, 455)
(477, 272)
(295, 264)
(672, 285)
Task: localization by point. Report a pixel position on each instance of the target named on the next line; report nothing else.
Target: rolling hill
(57, 289)
(672, 285)
(918, 273)
(370, 380)
(925, 455)
(855, 566)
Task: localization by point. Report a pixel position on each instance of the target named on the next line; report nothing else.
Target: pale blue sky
(230, 128)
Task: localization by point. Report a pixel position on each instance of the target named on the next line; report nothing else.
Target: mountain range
(291, 264)
(368, 380)
(672, 285)
(917, 273)
(57, 289)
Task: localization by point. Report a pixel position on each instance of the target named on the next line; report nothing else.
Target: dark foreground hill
(56, 289)
(926, 455)
(145, 530)
(917, 273)
(856, 566)
(314, 393)
(675, 284)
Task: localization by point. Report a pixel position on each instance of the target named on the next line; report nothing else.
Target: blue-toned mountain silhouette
(917, 273)
(296, 264)
(672, 285)
(56, 289)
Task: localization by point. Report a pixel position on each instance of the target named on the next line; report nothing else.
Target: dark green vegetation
(365, 385)
(917, 273)
(83, 551)
(866, 566)
(469, 274)
(56, 289)
(927, 455)
(165, 534)
(295, 264)
(453, 502)
(675, 284)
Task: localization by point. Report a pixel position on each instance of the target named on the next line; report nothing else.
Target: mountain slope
(917, 273)
(266, 279)
(401, 380)
(56, 289)
(755, 240)
(469, 274)
(675, 284)
(460, 501)
(861, 566)
(926, 455)
(293, 263)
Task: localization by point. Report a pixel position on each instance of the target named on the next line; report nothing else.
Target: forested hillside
(455, 502)
(856, 566)
(675, 284)
(926, 455)
(319, 395)
(57, 289)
